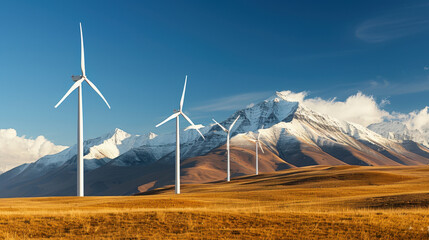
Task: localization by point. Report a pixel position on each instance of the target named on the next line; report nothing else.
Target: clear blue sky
(138, 52)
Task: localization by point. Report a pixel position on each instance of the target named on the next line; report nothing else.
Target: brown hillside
(319, 202)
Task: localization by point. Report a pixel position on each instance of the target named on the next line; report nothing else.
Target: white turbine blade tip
(187, 118)
(232, 125)
(192, 124)
(183, 94)
(82, 51)
(72, 88)
(222, 127)
(97, 91)
(200, 134)
(260, 146)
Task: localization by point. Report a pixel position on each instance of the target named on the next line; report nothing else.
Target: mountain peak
(287, 96)
(118, 132)
(152, 135)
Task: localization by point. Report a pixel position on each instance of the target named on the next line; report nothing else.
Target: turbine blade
(73, 87)
(232, 125)
(82, 54)
(97, 91)
(190, 121)
(258, 136)
(252, 140)
(220, 126)
(168, 119)
(183, 94)
(259, 143)
(259, 131)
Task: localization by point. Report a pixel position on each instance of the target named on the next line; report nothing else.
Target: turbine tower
(258, 144)
(78, 84)
(228, 131)
(176, 115)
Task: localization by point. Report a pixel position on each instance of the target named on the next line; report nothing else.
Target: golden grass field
(320, 202)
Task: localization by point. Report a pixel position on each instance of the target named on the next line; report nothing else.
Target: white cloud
(198, 126)
(395, 24)
(361, 109)
(358, 108)
(417, 120)
(250, 105)
(16, 150)
(384, 102)
(293, 97)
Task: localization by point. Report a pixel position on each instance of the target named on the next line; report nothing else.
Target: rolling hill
(314, 202)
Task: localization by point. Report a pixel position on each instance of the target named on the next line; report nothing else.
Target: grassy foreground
(304, 203)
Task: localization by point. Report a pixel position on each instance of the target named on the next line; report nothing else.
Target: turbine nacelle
(230, 127)
(80, 78)
(257, 140)
(76, 78)
(177, 113)
(228, 131)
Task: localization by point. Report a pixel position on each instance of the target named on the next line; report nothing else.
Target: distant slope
(320, 177)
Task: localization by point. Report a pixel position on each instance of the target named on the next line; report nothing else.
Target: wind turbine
(258, 144)
(78, 84)
(228, 131)
(176, 115)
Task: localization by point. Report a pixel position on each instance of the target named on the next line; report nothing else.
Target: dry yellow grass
(304, 203)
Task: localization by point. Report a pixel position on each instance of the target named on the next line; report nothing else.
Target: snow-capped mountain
(97, 152)
(291, 130)
(396, 130)
(293, 135)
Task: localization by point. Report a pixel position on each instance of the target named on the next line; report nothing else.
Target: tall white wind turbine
(176, 115)
(228, 131)
(78, 84)
(258, 144)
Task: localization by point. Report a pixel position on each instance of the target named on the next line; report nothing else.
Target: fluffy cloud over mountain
(358, 108)
(418, 120)
(364, 110)
(16, 150)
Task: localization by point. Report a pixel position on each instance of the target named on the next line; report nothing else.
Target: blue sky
(234, 52)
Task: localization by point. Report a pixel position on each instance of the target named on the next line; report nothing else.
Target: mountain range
(293, 135)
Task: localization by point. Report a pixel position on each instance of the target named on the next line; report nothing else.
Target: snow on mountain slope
(396, 130)
(109, 146)
(303, 123)
(113, 144)
(98, 151)
(158, 147)
(291, 124)
(328, 136)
